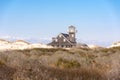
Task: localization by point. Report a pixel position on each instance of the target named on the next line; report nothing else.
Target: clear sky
(97, 21)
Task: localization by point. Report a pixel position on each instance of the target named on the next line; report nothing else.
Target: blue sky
(97, 21)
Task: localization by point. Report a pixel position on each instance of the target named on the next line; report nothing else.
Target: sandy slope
(20, 44)
(116, 44)
(94, 47)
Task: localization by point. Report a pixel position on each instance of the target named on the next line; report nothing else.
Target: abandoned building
(65, 40)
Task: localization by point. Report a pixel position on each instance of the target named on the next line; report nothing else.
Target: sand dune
(20, 44)
(116, 44)
(94, 47)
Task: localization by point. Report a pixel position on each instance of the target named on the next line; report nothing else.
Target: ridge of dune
(115, 44)
(20, 45)
(94, 46)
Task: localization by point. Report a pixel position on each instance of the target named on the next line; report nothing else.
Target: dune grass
(61, 64)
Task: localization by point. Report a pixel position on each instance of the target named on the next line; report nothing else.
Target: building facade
(64, 40)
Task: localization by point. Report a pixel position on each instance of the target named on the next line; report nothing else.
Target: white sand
(116, 44)
(20, 45)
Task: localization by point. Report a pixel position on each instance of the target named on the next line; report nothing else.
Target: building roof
(65, 35)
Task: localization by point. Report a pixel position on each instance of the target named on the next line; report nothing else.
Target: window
(62, 46)
(71, 30)
(72, 35)
(56, 40)
(64, 40)
(60, 35)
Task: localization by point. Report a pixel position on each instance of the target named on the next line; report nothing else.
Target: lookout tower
(72, 34)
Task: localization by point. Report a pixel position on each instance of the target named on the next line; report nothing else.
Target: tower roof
(71, 26)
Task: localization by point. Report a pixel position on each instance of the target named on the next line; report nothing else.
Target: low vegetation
(60, 64)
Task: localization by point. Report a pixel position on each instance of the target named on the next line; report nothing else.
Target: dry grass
(60, 64)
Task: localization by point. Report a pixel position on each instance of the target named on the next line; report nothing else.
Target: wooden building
(65, 40)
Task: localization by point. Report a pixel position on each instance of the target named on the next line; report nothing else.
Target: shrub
(72, 64)
(39, 72)
(49, 50)
(67, 64)
(2, 63)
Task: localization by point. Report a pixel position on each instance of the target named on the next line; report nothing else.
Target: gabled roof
(65, 35)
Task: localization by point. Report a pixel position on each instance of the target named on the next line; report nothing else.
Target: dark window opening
(62, 45)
